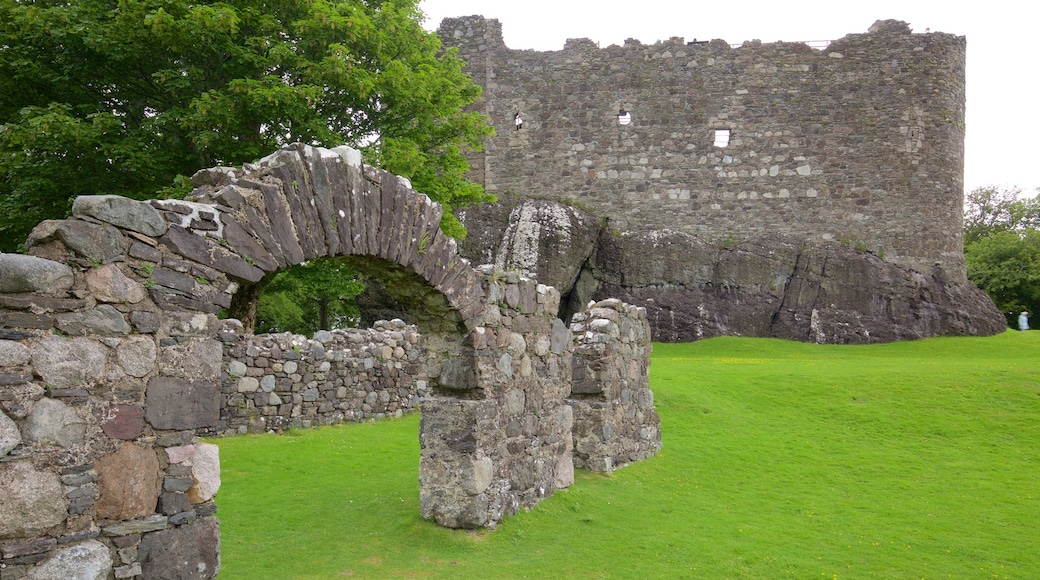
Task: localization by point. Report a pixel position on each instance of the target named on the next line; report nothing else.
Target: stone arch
(110, 359)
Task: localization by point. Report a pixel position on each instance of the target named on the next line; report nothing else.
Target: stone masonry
(113, 361)
(863, 140)
(828, 209)
(282, 381)
(614, 419)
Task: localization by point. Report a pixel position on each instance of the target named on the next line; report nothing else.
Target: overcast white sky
(1003, 85)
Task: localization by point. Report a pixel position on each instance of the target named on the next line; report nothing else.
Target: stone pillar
(614, 418)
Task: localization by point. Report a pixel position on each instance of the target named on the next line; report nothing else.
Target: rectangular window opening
(721, 137)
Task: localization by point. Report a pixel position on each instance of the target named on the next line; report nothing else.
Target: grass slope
(907, 460)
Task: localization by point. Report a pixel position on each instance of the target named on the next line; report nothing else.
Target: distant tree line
(1002, 247)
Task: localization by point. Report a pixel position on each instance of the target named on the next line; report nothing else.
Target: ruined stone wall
(614, 418)
(861, 142)
(112, 361)
(281, 381)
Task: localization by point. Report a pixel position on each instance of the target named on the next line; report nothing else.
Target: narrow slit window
(722, 137)
(624, 117)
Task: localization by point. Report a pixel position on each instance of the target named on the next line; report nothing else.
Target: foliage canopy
(312, 296)
(123, 96)
(1002, 247)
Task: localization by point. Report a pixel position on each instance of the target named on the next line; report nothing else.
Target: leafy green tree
(1002, 247)
(312, 296)
(989, 210)
(128, 96)
(1006, 266)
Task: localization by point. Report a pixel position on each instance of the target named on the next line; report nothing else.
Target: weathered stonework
(614, 418)
(853, 152)
(101, 465)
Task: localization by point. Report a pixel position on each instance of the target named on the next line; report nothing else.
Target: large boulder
(544, 239)
(19, 273)
(120, 211)
(776, 286)
(97, 242)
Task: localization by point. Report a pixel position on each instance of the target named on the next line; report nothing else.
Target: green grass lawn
(907, 460)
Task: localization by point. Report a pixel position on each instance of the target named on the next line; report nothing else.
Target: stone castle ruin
(762, 190)
(113, 362)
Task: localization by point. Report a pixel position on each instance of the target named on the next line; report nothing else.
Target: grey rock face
(20, 273)
(193, 359)
(783, 288)
(109, 284)
(770, 286)
(53, 422)
(13, 354)
(33, 501)
(172, 403)
(10, 437)
(137, 356)
(90, 560)
(121, 211)
(101, 243)
(69, 363)
(188, 552)
(104, 320)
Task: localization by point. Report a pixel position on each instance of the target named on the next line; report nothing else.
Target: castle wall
(861, 142)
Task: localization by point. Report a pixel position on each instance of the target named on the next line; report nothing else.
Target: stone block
(33, 501)
(187, 552)
(55, 423)
(96, 242)
(90, 560)
(122, 212)
(145, 322)
(10, 436)
(13, 354)
(103, 320)
(20, 273)
(173, 403)
(137, 356)
(69, 363)
(196, 359)
(122, 421)
(173, 503)
(108, 284)
(127, 483)
(189, 324)
(140, 526)
(193, 247)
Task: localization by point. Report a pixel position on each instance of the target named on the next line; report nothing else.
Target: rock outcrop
(777, 286)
